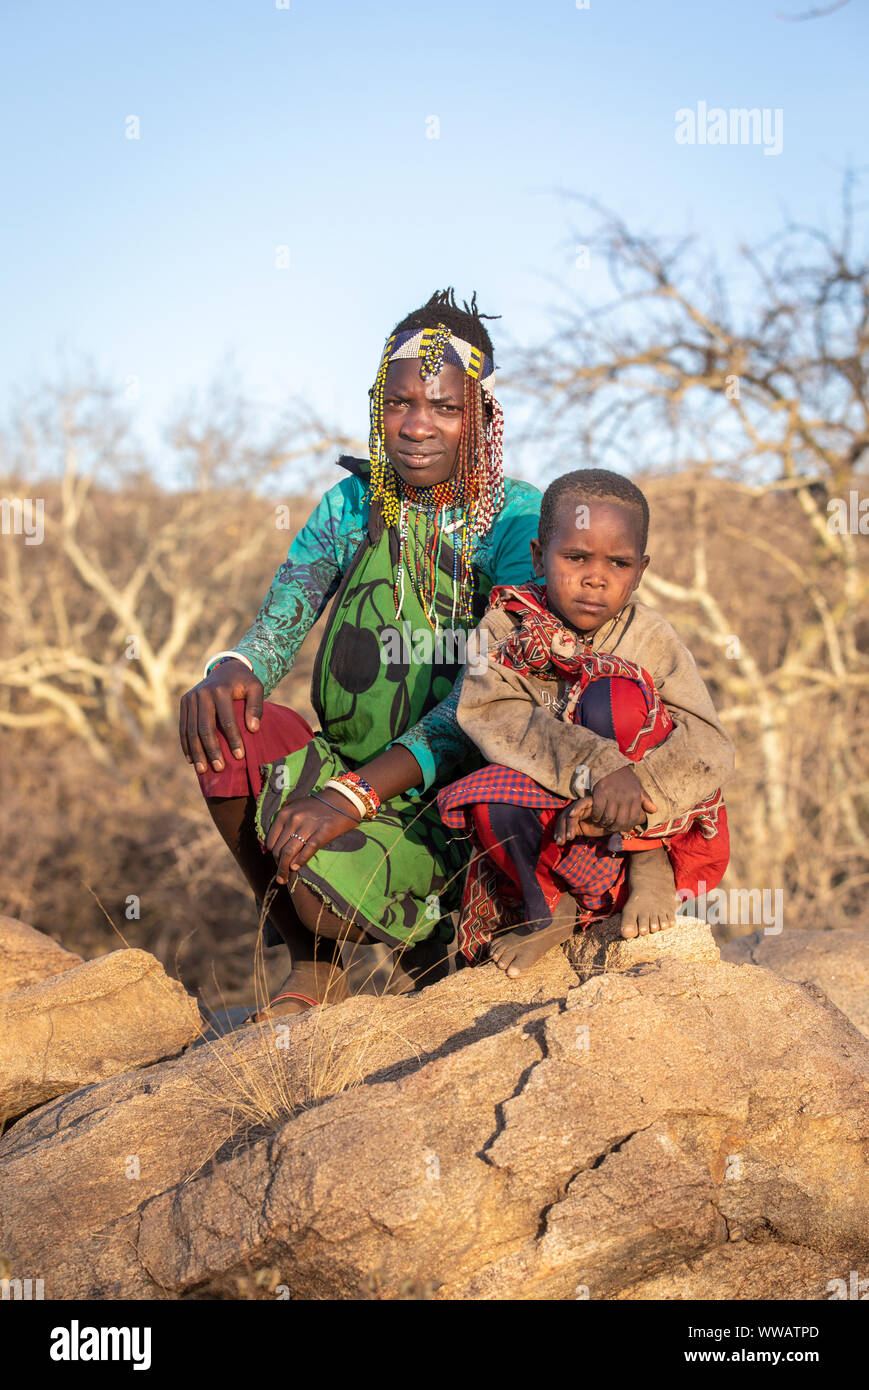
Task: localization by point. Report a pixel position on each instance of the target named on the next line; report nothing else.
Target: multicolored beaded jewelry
(359, 792)
(475, 491)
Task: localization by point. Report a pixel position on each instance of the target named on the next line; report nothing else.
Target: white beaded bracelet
(218, 656)
(334, 785)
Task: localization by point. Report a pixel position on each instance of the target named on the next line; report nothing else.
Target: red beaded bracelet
(362, 789)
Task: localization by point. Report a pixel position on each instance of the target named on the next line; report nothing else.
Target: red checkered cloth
(593, 869)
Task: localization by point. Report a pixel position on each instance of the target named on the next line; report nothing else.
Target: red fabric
(281, 731)
(587, 864)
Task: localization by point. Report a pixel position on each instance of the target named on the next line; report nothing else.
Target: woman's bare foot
(519, 949)
(651, 904)
(320, 982)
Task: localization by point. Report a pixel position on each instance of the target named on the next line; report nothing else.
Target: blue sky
(306, 127)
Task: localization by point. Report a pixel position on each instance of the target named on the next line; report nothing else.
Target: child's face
(592, 563)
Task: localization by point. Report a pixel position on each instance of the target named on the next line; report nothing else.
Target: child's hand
(619, 802)
(573, 820)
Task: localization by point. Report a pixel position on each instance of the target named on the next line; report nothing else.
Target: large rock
(97, 1019)
(837, 962)
(28, 955)
(602, 947)
(665, 1132)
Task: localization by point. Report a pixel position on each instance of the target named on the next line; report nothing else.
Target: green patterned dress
(378, 681)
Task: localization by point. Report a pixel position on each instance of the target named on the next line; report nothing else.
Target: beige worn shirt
(516, 720)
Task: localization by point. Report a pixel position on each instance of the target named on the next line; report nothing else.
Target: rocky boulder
(836, 962)
(28, 955)
(682, 1128)
(602, 948)
(94, 1020)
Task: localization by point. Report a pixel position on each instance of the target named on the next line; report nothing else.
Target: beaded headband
(437, 346)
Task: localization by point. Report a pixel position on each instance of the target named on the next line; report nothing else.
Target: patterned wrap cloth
(523, 879)
(400, 876)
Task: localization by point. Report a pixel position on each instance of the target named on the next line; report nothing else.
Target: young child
(606, 757)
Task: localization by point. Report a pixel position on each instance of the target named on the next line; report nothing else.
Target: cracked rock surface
(681, 1129)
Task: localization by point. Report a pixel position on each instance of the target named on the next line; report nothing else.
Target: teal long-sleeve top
(318, 557)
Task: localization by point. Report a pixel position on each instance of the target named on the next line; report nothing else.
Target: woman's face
(422, 421)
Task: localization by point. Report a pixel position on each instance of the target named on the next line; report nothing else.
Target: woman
(407, 548)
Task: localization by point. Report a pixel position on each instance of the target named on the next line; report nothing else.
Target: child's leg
(651, 902)
(613, 707)
(518, 830)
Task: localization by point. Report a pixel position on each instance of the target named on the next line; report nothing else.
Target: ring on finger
(294, 836)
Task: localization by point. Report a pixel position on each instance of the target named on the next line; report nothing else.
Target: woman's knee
(281, 732)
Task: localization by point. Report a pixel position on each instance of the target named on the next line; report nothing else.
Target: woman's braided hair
(466, 322)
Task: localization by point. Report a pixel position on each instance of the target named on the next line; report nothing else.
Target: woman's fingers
(197, 752)
(299, 830)
(253, 706)
(182, 727)
(292, 839)
(226, 719)
(206, 725)
(276, 829)
(286, 856)
(282, 842)
(293, 850)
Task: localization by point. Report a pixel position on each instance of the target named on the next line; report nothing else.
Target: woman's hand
(303, 827)
(209, 704)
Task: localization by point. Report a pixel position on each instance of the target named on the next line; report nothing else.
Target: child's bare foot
(522, 947)
(651, 904)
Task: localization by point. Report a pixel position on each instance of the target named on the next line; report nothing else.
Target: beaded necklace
(420, 557)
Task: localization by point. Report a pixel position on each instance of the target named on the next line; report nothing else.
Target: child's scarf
(541, 646)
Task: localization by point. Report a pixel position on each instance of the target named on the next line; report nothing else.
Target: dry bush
(761, 628)
(78, 834)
